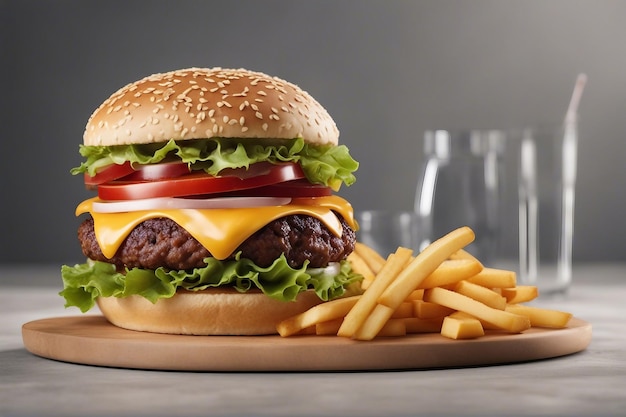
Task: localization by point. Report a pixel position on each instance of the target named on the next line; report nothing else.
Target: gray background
(385, 70)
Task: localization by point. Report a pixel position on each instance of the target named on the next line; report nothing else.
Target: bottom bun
(208, 312)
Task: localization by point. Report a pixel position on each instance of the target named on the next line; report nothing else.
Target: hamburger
(216, 210)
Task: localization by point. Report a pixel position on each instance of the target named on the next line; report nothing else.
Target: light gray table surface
(589, 383)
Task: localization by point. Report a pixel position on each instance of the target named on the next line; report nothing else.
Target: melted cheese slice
(220, 231)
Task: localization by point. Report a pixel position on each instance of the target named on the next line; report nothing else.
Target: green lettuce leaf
(329, 165)
(83, 283)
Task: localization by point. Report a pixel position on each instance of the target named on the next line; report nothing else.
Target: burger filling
(160, 242)
(282, 258)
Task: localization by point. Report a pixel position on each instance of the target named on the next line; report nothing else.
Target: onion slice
(175, 203)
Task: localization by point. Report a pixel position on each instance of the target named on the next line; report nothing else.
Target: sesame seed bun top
(198, 103)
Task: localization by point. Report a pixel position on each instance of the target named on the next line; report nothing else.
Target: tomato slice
(148, 172)
(258, 175)
(110, 173)
(152, 172)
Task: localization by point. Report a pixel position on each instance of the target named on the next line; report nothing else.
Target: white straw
(572, 110)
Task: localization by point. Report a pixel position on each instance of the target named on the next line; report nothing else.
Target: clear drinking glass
(461, 186)
(547, 181)
(385, 230)
(514, 188)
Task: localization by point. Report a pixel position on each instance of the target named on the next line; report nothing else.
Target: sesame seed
(264, 127)
(258, 115)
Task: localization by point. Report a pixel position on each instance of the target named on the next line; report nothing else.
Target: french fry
(482, 294)
(463, 254)
(373, 259)
(374, 322)
(461, 327)
(520, 294)
(390, 270)
(393, 328)
(425, 310)
(331, 310)
(410, 277)
(541, 317)
(361, 267)
(494, 278)
(405, 310)
(452, 271)
(416, 295)
(444, 289)
(504, 320)
(328, 328)
(423, 265)
(417, 325)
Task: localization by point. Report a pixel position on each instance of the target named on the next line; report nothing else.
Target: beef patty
(162, 242)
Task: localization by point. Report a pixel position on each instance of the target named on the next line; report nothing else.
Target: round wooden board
(92, 340)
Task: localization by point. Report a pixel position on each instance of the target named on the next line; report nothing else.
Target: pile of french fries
(443, 289)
